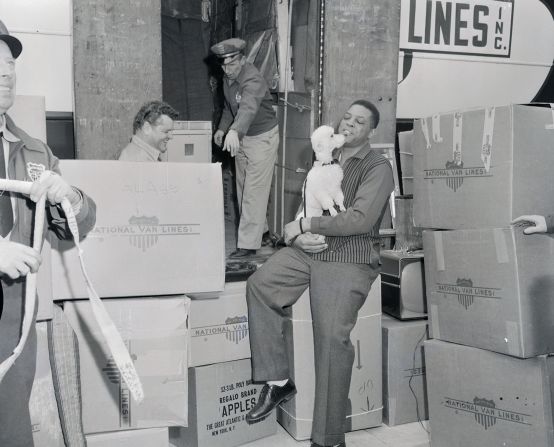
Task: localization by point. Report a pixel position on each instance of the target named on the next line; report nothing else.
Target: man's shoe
(242, 253)
(269, 398)
(342, 444)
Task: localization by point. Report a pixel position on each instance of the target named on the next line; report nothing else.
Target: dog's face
(325, 140)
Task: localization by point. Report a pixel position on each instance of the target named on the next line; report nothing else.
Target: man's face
(356, 125)
(232, 66)
(7, 78)
(159, 133)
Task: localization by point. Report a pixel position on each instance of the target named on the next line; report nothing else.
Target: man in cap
(251, 132)
(24, 158)
(152, 128)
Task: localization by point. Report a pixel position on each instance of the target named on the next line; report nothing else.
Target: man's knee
(253, 285)
(338, 336)
(261, 276)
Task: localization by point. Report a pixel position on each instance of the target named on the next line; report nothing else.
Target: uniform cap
(229, 47)
(13, 43)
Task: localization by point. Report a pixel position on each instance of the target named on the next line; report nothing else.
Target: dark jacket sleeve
(226, 117)
(360, 218)
(252, 93)
(86, 217)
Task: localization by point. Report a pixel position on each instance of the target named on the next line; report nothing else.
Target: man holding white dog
(337, 257)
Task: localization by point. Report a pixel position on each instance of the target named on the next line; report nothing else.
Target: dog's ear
(319, 145)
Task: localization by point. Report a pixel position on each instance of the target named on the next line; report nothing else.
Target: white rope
(112, 336)
(31, 280)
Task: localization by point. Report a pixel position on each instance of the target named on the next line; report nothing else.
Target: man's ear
(146, 128)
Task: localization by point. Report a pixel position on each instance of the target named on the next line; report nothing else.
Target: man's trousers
(337, 292)
(254, 163)
(15, 388)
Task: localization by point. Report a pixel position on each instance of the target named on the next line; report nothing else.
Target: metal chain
(299, 107)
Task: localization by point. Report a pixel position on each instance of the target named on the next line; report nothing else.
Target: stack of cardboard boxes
(221, 391)
(152, 245)
(489, 286)
(403, 296)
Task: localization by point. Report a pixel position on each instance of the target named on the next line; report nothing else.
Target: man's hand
(310, 243)
(218, 137)
(55, 188)
(291, 230)
(17, 259)
(232, 142)
(534, 224)
(296, 227)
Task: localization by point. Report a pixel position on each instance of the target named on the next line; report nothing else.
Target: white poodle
(322, 189)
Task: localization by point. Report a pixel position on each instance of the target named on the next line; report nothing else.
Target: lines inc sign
(470, 27)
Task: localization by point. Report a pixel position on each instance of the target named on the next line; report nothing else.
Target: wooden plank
(117, 67)
(361, 60)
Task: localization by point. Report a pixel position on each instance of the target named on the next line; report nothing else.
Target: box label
(236, 400)
(486, 412)
(114, 376)
(454, 174)
(235, 329)
(143, 231)
(466, 292)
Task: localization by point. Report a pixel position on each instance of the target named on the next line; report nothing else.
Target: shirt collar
(8, 136)
(362, 152)
(150, 150)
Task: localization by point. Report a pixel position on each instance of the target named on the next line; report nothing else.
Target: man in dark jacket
(251, 132)
(24, 158)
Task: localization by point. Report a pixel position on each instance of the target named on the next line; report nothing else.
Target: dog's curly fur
(322, 190)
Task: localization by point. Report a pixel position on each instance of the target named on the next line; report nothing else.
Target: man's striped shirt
(351, 235)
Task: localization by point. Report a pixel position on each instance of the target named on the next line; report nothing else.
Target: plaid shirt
(350, 235)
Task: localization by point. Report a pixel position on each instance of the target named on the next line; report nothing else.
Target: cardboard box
(492, 289)
(365, 403)
(155, 332)
(219, 327)
(150, 437)
(483, 169)
(403, 284)
(479, 398)
(404, 385)
(220, 395)
(43, 408)
(191, 142)
(159, 230)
